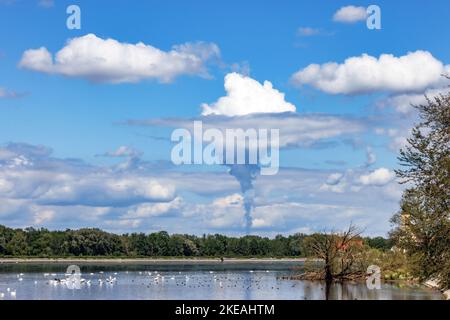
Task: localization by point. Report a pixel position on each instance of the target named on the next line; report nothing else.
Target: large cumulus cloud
(413, 72)
(245, 96)
(111, 61)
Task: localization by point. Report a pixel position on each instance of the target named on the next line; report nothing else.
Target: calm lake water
(185, 281)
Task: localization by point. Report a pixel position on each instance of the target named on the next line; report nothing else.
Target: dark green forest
(32, 242)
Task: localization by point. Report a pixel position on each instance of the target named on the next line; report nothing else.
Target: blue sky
(65, 132)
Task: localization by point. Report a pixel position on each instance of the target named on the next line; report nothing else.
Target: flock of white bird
(155, 277)
(11, 292)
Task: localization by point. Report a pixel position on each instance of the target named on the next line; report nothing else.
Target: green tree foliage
(379, 243)
(423, 225)
(94, 242)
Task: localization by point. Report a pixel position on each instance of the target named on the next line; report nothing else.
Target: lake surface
(240, 281)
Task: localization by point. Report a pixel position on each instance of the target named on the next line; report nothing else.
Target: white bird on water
(13, 293)
(2, 295)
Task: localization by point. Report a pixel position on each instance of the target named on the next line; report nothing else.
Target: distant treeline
(33, 242)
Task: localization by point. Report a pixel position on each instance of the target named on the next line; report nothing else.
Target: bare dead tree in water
(338, 251)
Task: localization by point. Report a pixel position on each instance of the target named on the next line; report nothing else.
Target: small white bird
(2, 295)
(13, 293)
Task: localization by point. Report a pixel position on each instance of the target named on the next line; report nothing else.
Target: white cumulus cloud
(221, 213)
(245, 96)
(146, 210)
(29, 172)
(378, 177)
(111, 61)
(413, 72)
(404, 103)
(350, 14)
(97, 190)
